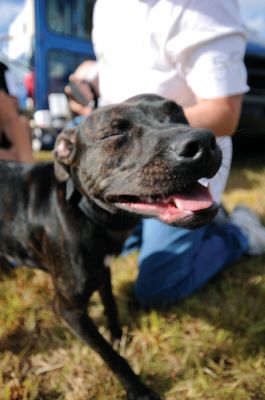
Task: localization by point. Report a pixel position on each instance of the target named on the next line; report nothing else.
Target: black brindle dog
(136, 158)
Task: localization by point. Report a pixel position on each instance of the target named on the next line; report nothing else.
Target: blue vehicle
(47, 40)
(252, 122)
(62, 42)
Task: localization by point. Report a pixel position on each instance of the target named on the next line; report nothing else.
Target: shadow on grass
(39, 340)
(234, 301)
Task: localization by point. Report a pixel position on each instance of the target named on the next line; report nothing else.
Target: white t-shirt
(178, 49)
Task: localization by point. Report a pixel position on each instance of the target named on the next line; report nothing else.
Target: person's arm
(220, 115)
(17, 131)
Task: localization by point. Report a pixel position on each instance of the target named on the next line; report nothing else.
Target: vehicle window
(61, 64)
(72, 18)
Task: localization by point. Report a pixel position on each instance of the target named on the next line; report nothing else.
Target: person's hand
(80, 96)
(83, 88)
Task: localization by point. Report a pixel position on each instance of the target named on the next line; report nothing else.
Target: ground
(210, 346)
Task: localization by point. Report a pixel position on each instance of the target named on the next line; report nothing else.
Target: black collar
(98, 215)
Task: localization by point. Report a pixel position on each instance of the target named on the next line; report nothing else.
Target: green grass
(210, 346)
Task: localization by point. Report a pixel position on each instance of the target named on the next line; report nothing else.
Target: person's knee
(145, 296)
(156, 284)
(165, 262)
(150, 297)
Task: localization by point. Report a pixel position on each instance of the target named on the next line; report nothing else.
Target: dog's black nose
(198, 143)
(198, 150)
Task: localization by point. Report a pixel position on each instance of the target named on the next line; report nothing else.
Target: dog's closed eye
(117, 127)
(120, 124)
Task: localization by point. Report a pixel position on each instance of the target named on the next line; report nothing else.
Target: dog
(125, 161)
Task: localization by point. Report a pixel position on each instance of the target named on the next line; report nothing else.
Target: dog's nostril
(190, 150)
(213, 143)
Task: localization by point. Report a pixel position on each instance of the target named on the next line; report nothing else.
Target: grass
(210, 346)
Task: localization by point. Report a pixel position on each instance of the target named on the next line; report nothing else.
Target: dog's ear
(64, 150)
(175, 112)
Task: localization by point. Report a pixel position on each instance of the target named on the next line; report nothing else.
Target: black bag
(3, 84)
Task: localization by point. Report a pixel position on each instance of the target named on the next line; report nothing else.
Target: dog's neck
(120, 221)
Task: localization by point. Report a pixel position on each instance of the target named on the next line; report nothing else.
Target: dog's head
(141, 156)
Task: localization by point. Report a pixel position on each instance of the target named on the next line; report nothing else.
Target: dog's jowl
(137, 158)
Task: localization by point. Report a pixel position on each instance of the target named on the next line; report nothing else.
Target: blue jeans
(175, 262)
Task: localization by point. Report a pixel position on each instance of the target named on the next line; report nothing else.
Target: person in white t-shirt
(189, 51)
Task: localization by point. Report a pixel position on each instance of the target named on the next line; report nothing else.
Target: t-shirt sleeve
(216, 68)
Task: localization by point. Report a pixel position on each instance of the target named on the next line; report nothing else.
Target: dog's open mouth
(170, 208)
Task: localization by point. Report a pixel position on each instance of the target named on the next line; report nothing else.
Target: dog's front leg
(105, 291)
(6, 266)
(84, 328)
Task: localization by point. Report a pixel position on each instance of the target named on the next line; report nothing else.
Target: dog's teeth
(148, 200)
(178, 204)
(204, 182)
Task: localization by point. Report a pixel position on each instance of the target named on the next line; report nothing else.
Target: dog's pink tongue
(175, 207)
(198, 198)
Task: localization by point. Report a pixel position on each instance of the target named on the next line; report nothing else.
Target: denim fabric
(175, 262)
